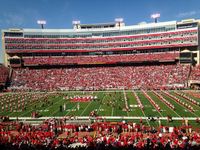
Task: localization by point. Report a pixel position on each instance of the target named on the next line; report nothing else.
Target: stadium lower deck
(163, 76)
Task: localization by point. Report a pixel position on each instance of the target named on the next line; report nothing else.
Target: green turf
(110, 103)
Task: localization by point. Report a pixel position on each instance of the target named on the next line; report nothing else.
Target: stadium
(102, 85)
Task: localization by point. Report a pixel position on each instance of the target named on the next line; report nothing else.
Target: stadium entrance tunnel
(195, 86)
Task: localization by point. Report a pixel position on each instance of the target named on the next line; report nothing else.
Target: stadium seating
(104, 59)
(100, 78)
(3, 75)
(195, 73)
(115, 43)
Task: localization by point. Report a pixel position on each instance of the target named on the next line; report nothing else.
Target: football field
(110, 105)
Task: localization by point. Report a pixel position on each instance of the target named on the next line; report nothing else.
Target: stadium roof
(132, 27)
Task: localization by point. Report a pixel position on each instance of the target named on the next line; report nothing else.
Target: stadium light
(119, 19)
(41, 23)
(155, 17)
(76, 22)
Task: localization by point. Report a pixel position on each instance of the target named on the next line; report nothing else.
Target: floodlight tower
(41, 23)
(119, 21)
(76, 23)
(155, 17)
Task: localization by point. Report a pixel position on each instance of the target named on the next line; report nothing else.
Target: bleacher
(195, 73)
(100, 78)
(104, 59)
(3, 75)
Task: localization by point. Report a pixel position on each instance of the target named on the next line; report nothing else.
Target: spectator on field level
(60, 134)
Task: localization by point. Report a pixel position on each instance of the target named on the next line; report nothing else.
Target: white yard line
(98, 109)
(181, 105)
(126, 102)
(151, 102)
(86, 108)
(112, 111)
(69, 111)
(194, 114)
(175, 112)
(101, 104)
(142, 110)
(57, 110)
(168, 106)
(146, 118)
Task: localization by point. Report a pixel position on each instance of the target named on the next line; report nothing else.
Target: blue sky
(60, 13)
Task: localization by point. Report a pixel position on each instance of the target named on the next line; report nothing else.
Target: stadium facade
(102, 39)
(104, 44)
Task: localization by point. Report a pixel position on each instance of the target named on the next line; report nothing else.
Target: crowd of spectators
(179, 74)
(104, 59)
(100, 78)
(3, 75)
(60, 134)
(195, 73)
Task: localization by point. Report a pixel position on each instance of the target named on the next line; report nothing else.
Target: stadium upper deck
(47, 46)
